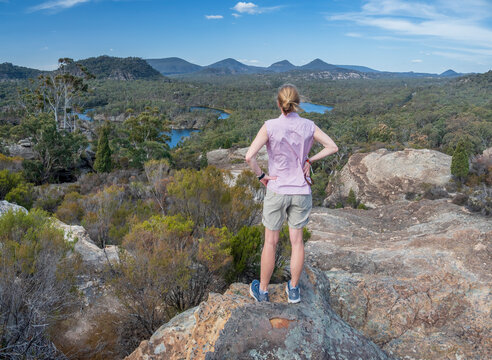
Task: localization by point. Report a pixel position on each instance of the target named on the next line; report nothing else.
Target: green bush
(351, 199)
(21, 195)
(103, 161)
(8, 181)
(37, 278)
(459, 161)
(246, 248)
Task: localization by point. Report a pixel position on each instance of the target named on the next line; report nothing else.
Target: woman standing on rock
(288, 139)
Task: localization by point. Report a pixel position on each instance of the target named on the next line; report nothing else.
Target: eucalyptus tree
(58, 90)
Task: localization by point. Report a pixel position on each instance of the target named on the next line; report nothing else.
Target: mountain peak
(319, 65)
(281, 66)
(449, 72)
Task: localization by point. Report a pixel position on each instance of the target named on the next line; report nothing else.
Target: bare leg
(297, 255)
(268, 257)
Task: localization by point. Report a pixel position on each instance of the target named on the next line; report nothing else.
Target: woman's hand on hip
(306, 168)
(267, 178)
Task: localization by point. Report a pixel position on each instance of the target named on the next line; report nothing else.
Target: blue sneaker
(293, 293)
(254, 291)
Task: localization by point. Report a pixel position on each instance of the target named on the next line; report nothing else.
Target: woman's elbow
(335, 148)
(248, 158)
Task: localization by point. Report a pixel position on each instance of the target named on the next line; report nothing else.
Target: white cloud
(246, 61)
(252, 8)
(416, 61)
(353, 34)
(56, 5)
(236, 15)
(213, 17)
(246, 7)
(451, 20)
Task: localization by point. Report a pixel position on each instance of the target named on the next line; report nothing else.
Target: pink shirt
(290, 138)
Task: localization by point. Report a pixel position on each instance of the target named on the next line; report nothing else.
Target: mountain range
(177, 66)
(131, 68)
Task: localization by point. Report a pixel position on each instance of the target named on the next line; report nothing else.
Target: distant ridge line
(232, 66)
(134, 68)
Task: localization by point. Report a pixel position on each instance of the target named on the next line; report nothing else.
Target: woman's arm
(260, 140)
(329, 147)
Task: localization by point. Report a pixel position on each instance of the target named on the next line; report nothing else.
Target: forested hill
(130, 68)
(9, 71)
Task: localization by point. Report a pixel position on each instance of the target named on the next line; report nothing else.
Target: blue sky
(393, 35)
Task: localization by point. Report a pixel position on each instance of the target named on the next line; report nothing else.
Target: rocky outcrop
(22, 149)
(412, 276)
(6, 206)
(233, 159)
(382, 177)
(233, 326)
(91, 254)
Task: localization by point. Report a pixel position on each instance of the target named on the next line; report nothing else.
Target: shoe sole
(251, 293)
(288, 299)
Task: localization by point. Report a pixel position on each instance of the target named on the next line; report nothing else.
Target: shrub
(21, 195)
(103, 161)
(459, 161)
(165, 269)
(208, 198)
(37, 279)
(70, 210)
(246, 247)
(8, 181)
(351, 199)
(49, 197)
(105, 215)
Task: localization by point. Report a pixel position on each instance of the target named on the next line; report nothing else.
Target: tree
(57, 91)
(157, 172)
(103, 161)
(57, 151)
(351, 199)
(146, 137)
(459, 161)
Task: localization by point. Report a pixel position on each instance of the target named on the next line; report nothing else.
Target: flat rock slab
(415, 277)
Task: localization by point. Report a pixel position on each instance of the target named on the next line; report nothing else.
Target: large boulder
(382, 177)
(233, 326)
(412, 276)
(6, 206)
(91, 254)
(22, 149)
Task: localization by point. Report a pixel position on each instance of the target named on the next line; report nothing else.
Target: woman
(288, 139)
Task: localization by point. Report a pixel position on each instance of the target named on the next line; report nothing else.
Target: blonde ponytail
(288, 98)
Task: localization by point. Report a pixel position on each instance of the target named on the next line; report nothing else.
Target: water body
(309, 107)
(222, 114)
(179, 134)
(86, 115)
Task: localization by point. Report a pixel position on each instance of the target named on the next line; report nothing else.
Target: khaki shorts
(278, 207)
